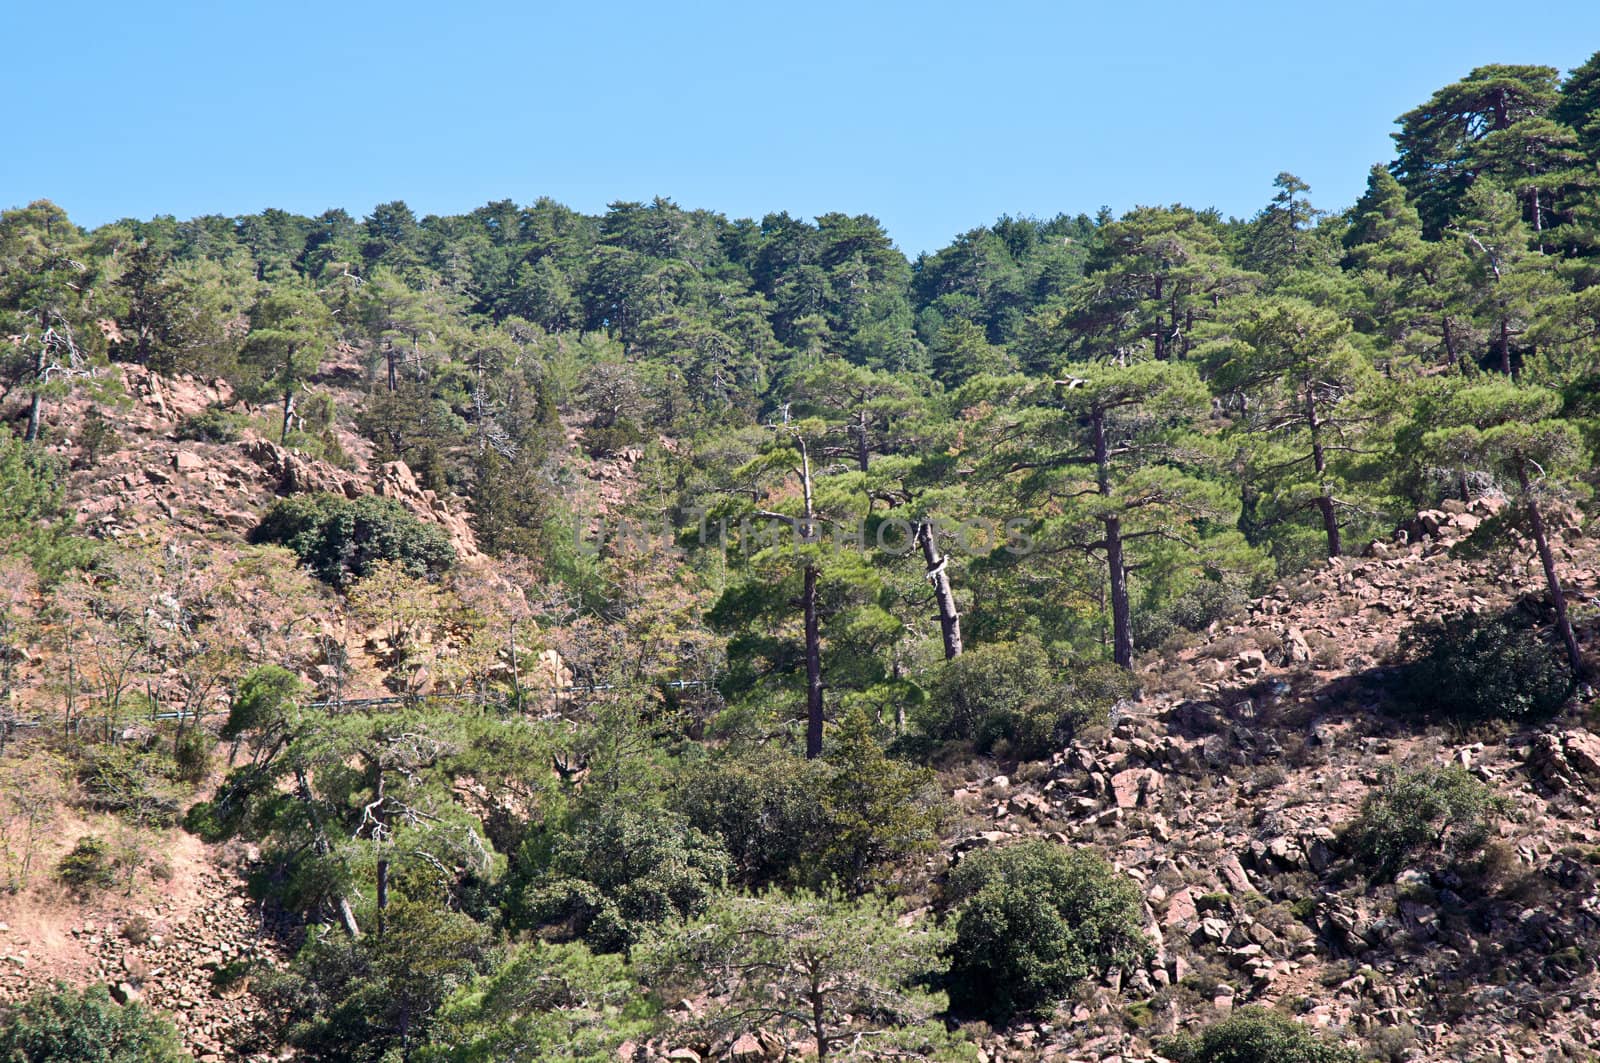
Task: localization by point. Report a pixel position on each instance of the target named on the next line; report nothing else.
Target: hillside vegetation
(659, 636)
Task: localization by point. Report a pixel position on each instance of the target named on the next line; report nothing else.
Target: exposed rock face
(395, 480)
(1223, 788)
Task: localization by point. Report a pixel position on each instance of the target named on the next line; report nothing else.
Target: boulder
(1136, 787)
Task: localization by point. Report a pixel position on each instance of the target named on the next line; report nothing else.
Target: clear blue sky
(935, 117)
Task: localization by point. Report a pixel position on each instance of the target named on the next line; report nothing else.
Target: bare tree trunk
(383, 891)
(1116, 565)
(943, 596)
(819, 1028)
(863, 450)
(1542, 540)
(1319, 460)
(1121, 626)
(35, 408)
(808, 604)
(347, 917)
(1503, 345)
(288, 414)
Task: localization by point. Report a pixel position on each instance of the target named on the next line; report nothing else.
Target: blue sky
(935, 117)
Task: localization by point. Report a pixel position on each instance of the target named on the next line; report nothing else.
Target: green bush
(605, 441)
(614, 873)
(825, 823)
(1255, 1035)
(1010, 698)
(191, 755)
(87, 866)
(1421, 812)
(340, 539)
(33, 521)
(67, 1026)
(1033, 919)
(765, 807)
(131, 783)
(214, 424)
(374, 999)
(546, 1001)
(1471, 667)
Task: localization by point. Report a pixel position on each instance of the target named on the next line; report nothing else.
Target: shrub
(1034, 918)
(876, 810)
(614, 873)
(1009, 697)
(763, 806)
(214, 424)
(1477, 668)
(1418, 811)
(122, 780)
(1255, 1035)
(191, 755)
(546, 1001)
(340, 539)
(375, 998)
(67, 1026)
(87, 866)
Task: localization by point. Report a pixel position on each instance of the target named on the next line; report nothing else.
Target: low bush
(1255, 1035)
(87, 866)
(340, 539)
(68, 1026)
(1033, 919)
(1471, 667)
(1010, 698)
(214, 424)
(613, 873)
(1416, 813)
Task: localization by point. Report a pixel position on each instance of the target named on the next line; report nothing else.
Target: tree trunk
(347, 917)
(389, 357)
(863, 451)
(1324, 499)
(1121, 628)
(819, 1028)
(1553, 581)
(35, 408)
(288, 415)
(943, 596)
(1503, 345)
(1116, 566)
(808, 605)
(383, 891)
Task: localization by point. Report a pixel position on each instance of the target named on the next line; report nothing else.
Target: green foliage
(810, 966)
(1255, 1035)
(191, 755)
(263, 701)
(131, 782)
(1032, 920)
(1010, 698)
(1473, 667)
(375, 999)
(877, 811)
(214, 424)
(340, 539)
(1425, 814)
(87, 865)
(543, 1001)
(765, 806)
(71, 1026)
(614, 872)
(32, 520)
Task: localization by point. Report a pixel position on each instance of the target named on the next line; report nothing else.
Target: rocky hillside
(1223, 790)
